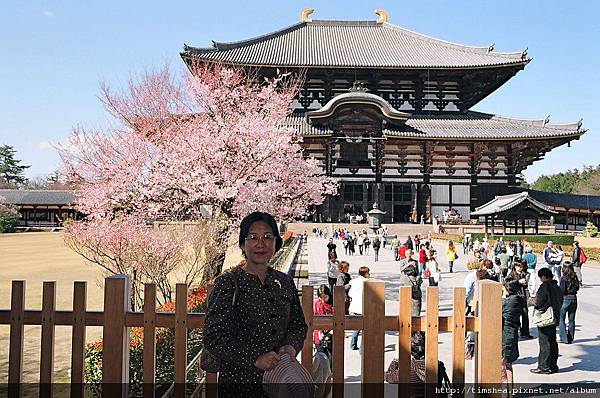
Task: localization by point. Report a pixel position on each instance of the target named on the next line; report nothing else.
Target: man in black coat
(548, 295)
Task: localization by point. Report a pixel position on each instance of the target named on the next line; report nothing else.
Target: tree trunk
(216, 249)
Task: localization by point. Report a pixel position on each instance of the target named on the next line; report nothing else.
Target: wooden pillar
(47, 339)
(567, 220)
(523, 225)
(373, 343)
(17, 331)
(489, 339)
(537, 226)
(115, 353)
(504, 226)
(486, 226)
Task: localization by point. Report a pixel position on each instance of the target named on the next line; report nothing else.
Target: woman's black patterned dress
(264, 318)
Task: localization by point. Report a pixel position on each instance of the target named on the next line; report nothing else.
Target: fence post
(431, 341)
(17, 325)
(211, 378)
(181, 292)
(373, 343)
(489, 341)
(47, 339)
(404, 338)
(149, 339)
(339, 332)
(115, 338)
(78, 338)
(307, 349)
(458, 338)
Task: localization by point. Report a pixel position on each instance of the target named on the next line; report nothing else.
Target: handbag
(544, 318)
(208, 361)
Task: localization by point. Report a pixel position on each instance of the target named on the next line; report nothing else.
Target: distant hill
(584, 182)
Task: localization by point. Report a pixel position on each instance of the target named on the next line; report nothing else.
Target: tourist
(385, 236)
(344, 280)
(550, 255)
(531, 260)
(361, 243)
(451, 255)
(469, 283)
(569, 284)
(518, 248)
(395, 246)
(416, 386)
(376, 246)
(346, 244)
(409, 243)
(488, 265)
(367, 243)
(332, 269)
(498, 246)
(331, 247)
(548, 295)
(512, 307)
(578, 258)
(410, 276)
(323, 305)
(253, 294)
(557, 261)
(435, 274)
(504, 259)
(352, 243)
(356, 300)
(520, 275)
(406, 259)
(422, 258)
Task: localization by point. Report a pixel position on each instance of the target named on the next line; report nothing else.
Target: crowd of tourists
(549, 287)
(255, 326)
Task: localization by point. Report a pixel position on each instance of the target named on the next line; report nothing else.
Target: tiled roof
(469, 126)
(37, 197)
(566, 200)
(359, 44)
(501, 204)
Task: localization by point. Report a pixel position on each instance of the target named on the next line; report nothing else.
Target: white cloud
(44, 145)
(49, 14)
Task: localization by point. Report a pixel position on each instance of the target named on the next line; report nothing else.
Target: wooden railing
(117, 318)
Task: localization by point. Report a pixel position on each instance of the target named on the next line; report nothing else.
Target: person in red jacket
(323, 305)
(422, 258)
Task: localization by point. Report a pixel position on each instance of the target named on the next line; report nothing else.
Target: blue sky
(55, 54)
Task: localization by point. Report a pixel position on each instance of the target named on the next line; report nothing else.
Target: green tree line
(584, 182)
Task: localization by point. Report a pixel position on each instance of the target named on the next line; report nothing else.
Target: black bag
(443, 383)
(416, 291)
(208, 362)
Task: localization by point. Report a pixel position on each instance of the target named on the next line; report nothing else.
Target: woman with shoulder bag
(265, 323)
(569, 284)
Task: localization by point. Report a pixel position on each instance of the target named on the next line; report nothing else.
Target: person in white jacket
(356, 296)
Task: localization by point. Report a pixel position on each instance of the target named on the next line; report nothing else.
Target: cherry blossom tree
(213, 140)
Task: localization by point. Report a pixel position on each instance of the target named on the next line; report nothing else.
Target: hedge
(558, 239)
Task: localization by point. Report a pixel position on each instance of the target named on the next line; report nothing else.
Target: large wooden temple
(388, 112)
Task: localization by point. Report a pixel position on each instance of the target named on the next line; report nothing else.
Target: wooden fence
(117, 318)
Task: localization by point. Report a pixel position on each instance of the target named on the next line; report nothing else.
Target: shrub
(558, 239)
(165, 353)
(9, 217)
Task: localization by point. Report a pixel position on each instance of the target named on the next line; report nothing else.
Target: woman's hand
(288, 349)
(267, 361)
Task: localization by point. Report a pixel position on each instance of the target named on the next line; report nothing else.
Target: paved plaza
(578, 362)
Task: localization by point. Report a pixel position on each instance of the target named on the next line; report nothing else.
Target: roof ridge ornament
(383, 15)
(524, 53)
(491, 48)
(546, 121)
(358, 86)
(304, 15)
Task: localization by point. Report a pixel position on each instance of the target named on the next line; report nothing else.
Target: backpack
(376, 243)
(416, 291)
(582, 256)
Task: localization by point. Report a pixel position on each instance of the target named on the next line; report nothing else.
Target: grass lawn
(37, 257)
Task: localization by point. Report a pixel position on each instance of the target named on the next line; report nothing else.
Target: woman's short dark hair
(545, 272)
(259, 216)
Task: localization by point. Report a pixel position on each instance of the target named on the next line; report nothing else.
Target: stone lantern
(375, 218)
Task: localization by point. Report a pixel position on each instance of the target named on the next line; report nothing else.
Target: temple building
(387, 111)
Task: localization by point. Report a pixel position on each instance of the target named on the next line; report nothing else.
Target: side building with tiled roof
(41, 208)
(387, 111)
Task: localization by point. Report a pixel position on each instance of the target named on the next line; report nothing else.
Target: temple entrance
(402, 213)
